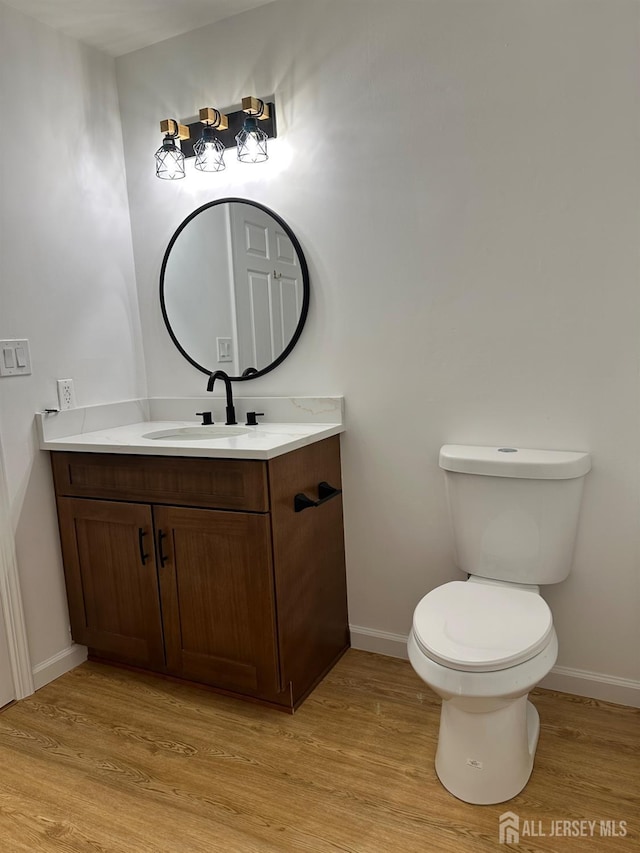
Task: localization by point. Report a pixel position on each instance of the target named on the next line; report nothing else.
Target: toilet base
(486, 747)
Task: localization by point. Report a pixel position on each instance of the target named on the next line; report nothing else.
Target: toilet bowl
(482, 648)
(484, 643)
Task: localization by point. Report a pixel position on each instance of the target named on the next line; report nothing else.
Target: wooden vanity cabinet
(202, 569)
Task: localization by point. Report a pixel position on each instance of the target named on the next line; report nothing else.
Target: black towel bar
(325, 493)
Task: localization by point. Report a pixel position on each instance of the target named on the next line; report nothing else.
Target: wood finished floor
(110, 761)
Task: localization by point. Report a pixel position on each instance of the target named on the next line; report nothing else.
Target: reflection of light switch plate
(225, 350)
(15, 359)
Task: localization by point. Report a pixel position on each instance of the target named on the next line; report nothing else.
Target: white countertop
(264, 441)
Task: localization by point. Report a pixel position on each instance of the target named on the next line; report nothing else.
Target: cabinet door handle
(141, 534)
(325, 493)
(161, 554)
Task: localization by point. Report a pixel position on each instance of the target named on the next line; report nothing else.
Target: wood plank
(106, 760)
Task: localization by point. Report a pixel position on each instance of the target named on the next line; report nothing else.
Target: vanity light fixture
(169, 158)
(252, 140)
(247, 128)
(208, 149)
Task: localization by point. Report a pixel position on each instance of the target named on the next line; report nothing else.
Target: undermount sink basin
(197, 433)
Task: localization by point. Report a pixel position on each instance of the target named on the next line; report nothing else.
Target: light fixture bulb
(252, 142)
(209, 152)
(169, 161)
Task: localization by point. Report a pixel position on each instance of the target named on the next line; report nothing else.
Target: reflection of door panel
(256, 348)
(289, 301)
(268, 286)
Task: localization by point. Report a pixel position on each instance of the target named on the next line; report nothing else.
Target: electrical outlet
(66, 394)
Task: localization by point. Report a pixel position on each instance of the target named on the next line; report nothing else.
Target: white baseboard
(381, 642)
(595, 685)
(57, 665)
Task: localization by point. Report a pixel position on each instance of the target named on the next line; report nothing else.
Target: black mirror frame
(305, 287)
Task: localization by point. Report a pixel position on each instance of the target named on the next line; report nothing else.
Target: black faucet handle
(251, 418)
(207, 418)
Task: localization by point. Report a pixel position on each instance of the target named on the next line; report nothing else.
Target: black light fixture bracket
(264, 111)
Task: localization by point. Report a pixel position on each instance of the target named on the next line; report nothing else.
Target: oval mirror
(234, 288)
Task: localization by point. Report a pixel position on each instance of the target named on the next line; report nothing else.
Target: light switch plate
(225, 351)
(15, 358)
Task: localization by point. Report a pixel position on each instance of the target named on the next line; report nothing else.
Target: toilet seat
(481, 627)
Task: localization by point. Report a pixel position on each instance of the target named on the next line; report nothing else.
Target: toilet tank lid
(506, 461)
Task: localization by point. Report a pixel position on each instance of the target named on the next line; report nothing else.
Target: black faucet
(231, 412)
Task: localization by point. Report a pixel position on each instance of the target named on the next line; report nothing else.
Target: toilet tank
(514, 511)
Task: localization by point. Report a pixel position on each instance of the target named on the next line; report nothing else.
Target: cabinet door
(216, 586)
(112, 583)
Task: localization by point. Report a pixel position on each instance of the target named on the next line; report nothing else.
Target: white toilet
(484, 643)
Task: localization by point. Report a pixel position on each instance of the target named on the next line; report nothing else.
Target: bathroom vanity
(220, 562)
(205, 551)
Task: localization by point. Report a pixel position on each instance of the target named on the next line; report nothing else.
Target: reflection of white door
(268, 286)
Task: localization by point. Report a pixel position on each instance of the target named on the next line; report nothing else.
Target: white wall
(463, 177)
(66, 280)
